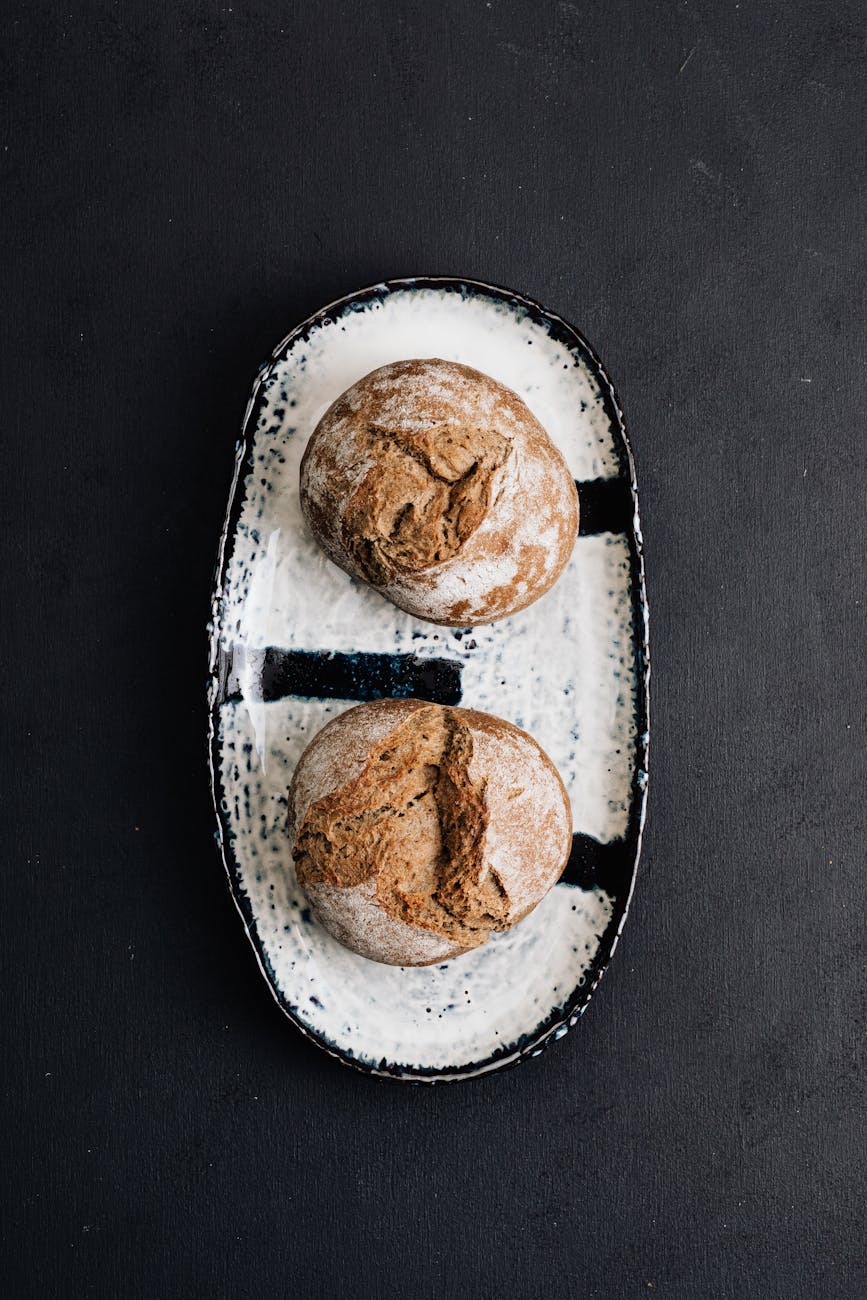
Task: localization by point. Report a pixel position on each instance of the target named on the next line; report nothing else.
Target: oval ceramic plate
(295, 641)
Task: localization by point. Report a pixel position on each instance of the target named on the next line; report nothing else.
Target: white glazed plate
(295, 641)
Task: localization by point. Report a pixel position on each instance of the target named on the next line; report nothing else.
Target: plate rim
(557, 1024)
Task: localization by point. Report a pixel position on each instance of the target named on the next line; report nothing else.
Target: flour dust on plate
(296, 641)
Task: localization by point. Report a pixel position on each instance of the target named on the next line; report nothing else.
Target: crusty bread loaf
(438, 486)
(420, 830)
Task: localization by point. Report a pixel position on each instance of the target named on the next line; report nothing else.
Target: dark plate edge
(562, 1019)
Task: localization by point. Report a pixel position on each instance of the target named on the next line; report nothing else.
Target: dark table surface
(181, 184)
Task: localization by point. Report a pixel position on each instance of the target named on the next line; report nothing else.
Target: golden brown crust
(421, 830)
(437, 485)
(426, 494)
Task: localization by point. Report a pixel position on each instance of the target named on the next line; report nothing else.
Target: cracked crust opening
(436, 484)
(405, 843)
(415, 822)
(426, 494)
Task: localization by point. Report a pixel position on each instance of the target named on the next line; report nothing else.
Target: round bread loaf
(438, 486)
(421, 830)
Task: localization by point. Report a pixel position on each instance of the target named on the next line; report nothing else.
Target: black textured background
(182, 183)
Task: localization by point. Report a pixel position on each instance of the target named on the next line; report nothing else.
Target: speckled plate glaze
(295, 641)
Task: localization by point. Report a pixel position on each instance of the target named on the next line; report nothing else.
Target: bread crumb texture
(437, 485)
(425, 851)
(426, 494)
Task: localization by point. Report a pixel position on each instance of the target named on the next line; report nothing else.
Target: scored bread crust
(487, 828)
(435, 441)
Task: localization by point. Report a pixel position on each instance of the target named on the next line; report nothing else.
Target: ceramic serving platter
(295, 641)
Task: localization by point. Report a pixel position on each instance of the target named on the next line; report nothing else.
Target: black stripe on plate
(606, 506)
(606, 866)
(273, 674)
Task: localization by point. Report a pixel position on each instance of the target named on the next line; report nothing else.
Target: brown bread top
(438, 486)
(421, 830)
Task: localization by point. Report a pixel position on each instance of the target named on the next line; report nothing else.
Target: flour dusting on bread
(420, 830)
(437, 485)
